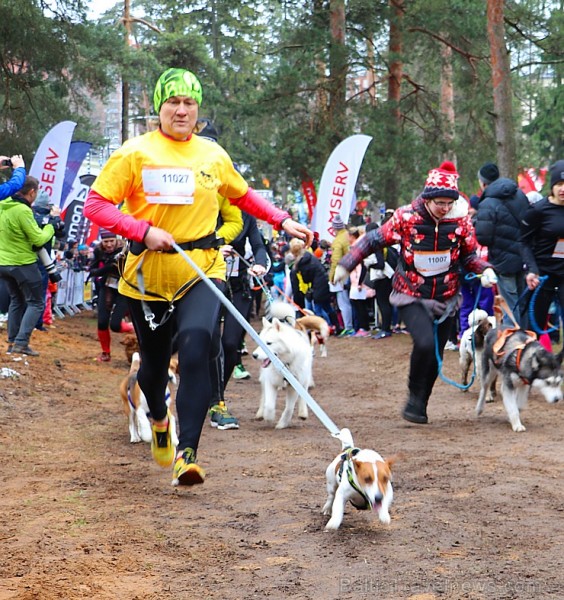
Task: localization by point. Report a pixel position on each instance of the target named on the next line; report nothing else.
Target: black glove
(58, 226)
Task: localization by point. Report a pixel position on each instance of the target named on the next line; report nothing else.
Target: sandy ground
(477, 511)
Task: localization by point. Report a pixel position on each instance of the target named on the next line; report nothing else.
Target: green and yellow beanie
(176, 82)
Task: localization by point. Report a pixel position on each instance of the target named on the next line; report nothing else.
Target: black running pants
(197, 324)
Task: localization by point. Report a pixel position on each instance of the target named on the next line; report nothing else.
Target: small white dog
(479, 323)
(361, 477)
(292, 348)
(135, 404)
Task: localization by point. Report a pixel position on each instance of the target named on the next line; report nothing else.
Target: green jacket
(19, 232)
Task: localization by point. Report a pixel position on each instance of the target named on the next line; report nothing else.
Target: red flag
(311, 197)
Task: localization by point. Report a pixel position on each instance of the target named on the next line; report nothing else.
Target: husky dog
(522, 362)
(293, 349)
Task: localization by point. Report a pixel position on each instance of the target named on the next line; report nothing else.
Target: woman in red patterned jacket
(437, 239)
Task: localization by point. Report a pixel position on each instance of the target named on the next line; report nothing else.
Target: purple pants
(469, 292)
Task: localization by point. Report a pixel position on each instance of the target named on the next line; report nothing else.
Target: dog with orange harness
(522, 362)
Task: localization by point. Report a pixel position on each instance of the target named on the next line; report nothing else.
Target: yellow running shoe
(221, 418)
(186, 471)
(161, 444)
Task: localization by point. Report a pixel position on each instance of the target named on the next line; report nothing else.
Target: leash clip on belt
(149, 314)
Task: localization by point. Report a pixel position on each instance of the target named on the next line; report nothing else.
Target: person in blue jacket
(16, 181)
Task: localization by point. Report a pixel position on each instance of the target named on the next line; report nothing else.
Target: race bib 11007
(168, 185)
(431, 263)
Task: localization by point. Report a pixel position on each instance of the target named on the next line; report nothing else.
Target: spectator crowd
(420, 269)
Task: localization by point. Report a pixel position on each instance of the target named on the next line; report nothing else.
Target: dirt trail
(477, 511)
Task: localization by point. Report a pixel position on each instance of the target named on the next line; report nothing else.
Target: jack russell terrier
(318, 330)
(361, 477)
(135, 404)
(315, 327)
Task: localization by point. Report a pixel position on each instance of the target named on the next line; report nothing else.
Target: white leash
(303, 393)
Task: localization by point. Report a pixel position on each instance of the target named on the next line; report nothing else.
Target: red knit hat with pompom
(442, 182)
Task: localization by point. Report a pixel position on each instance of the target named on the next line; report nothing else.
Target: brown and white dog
(318, 330)
(361, 477)
(135, 403)
(131, 345)
(316, 327)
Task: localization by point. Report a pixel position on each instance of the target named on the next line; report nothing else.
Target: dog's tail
(346, 438)
(135, 362)
(283, 312)
(476, 317)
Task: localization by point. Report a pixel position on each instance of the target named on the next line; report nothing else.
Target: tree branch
(143, 22)
(533, 63)
(470, 57)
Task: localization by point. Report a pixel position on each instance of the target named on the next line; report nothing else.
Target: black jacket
(104, 265)
(541, 231)
(498, 224)
(43, 217)
(313, 272)
(251, 233)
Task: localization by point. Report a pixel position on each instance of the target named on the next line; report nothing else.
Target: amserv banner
(50, 161)
(336, 188)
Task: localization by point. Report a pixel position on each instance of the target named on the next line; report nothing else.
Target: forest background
(285, 81)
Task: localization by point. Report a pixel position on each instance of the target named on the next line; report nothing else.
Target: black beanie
(556, 173)
(488, 173)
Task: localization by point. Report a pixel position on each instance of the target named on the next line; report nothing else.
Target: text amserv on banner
(337, 194)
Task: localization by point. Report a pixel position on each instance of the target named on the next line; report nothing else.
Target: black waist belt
(205, 243)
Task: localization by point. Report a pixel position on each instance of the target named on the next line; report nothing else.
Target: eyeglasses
(443, 204)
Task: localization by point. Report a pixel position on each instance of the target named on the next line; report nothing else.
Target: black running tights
(424, 368)
(197, 323)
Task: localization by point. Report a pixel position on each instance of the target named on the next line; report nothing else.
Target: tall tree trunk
(338, 67)
(124, 82)
(371, 71)
(447, 101)
(395, 49)
(215, 32)
(319, 116)
(502, 96)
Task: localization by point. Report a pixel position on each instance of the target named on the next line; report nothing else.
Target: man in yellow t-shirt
(169, 180)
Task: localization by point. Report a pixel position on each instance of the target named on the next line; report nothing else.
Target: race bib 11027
(168, 185)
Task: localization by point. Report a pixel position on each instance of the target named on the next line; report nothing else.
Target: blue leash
(259, 279)
(436, 323)
(532, 318)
